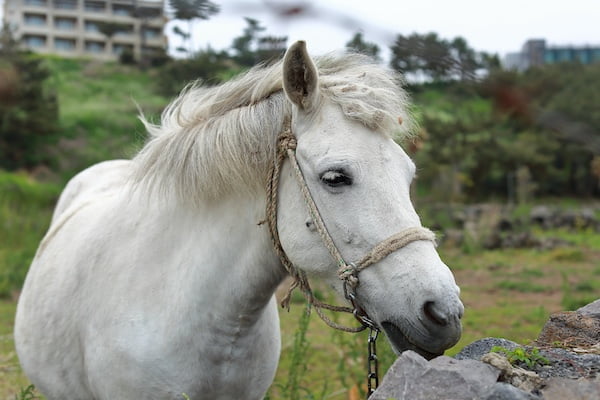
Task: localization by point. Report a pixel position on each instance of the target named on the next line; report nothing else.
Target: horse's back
(94, 181)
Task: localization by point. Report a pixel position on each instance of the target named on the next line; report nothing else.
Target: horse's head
(360, 181)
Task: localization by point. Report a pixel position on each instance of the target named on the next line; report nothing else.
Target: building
(535, 52)
(78, 28)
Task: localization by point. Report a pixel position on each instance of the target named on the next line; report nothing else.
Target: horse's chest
(213, 362)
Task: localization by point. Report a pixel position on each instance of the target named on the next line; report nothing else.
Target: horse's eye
(336, 178)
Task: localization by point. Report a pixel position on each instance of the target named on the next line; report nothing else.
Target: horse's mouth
(401, 342)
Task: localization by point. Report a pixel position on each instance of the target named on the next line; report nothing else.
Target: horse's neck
(235, 262)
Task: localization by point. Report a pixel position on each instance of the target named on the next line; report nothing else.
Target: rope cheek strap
(347, 272)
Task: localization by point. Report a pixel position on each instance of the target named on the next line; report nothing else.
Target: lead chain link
(373, 365)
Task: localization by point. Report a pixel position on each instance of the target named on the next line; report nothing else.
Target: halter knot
(349, 274)
(287, 141)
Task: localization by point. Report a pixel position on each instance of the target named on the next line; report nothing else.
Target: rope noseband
(347, 272)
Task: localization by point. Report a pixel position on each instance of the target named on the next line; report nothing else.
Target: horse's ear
(300, 77)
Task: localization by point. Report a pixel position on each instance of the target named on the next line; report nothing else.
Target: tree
(190, 10)
(242, 45)
(28, 111)
(437, 59)
(464, 58)
(270, 48)
(358, 44)
(206, 64)
(250, 48)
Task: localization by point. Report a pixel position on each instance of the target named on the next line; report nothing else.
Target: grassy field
(507, 293)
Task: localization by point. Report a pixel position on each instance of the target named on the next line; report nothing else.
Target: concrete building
(535, 52)
(74, 28)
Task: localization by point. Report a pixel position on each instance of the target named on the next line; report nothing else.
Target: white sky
(493, 26)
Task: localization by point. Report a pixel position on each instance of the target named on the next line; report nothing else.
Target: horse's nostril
(433, 313)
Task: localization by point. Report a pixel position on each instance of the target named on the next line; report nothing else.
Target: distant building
(535, 52)
(73, 28)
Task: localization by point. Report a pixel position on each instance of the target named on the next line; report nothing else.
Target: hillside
(98, 108)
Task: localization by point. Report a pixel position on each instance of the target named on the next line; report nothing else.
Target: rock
(562, 389)
(505, 391)
(568, 364)
(573, 370)
(570, 329)
(412, 377)
(592, 308)
(527, 381)
(542, 215)
(479, 348)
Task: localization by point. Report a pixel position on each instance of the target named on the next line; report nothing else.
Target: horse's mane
(211, 140)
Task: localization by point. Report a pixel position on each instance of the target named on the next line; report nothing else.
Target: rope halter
(347, 272)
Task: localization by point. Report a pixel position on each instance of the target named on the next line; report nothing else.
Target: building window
(35, 19)
(119, 48)
(584, 56)
(65, 23)
(124, 30)
(64, 44)
(151, 33)
(564, 55)
(94, 6)
(65, 4)
(94, 47)
(38, 3)
(91, 26)
(34, 41)
(148, 12)
(125, 11)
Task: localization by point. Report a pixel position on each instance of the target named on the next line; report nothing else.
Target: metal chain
(363, 318)
(372, 362)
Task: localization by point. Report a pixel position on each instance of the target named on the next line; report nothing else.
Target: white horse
(156, 279)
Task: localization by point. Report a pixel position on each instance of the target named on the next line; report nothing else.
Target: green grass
(521, 286)
(25, 211)
(98, 110)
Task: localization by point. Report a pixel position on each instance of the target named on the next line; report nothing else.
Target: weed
(574, 299)
(27, 394)
(524, 287)
(519, 356)
(533, 273)
(587, 286)
(298, 366)
(567, 254)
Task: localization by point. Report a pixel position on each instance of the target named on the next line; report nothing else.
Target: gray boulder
(505, 391)
(413, 377)
(477, 349)
(591, 309)
(562, 389)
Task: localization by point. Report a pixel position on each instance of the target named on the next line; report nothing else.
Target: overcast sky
(492, 26)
